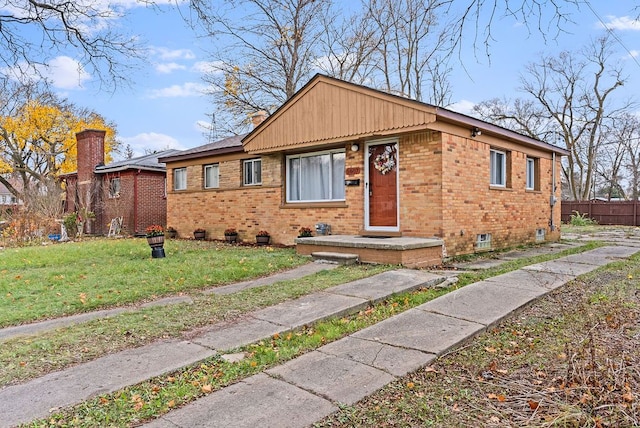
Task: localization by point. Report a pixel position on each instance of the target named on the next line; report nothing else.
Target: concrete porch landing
(408, 251)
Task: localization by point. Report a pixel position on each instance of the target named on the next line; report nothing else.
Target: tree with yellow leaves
(37, 140)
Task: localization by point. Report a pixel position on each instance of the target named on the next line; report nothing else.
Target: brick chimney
(258, 117)
(90, 152)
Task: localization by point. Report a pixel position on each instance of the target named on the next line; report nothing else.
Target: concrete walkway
(310, 387)
(37, 398)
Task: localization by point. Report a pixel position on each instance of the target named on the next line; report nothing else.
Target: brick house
(369, 163)
(134, 189)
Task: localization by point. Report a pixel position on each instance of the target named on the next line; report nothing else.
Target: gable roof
(328, 110)
(226, 145)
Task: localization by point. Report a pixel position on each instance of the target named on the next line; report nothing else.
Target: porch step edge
(339, 258)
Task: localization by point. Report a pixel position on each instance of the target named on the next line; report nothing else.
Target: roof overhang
(460, 119)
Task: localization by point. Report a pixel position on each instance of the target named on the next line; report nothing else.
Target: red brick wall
(147, 208)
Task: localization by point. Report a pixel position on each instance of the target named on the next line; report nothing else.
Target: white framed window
(212, 176)
(531, 173)
(315, 177)
(252, 172)
(483, 241)
(498, 168)
(180, 179)
(114, 187)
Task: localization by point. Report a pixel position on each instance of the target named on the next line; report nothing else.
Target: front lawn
(64, 279)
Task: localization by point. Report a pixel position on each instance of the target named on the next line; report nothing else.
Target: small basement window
(483, 241)
(540, 234)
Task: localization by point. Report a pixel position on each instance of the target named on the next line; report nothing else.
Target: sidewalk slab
(258, 401)
(37, 327)
(25, 402)
(300, 271)
(562, 267)
(620, 252)
(233, 335)
(337, 379)
(531, 280)
(482, 302)
(393, 360)
(420, 330)
(310, 308)
(387, 284)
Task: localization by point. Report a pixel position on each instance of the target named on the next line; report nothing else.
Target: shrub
(578, 219)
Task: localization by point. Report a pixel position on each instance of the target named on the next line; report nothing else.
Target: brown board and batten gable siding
(330, 111)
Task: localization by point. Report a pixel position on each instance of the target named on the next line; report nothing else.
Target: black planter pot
(199, 236)
(231, 239)
(263, 240)
(157, 252)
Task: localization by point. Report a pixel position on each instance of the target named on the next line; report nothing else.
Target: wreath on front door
(385, 162)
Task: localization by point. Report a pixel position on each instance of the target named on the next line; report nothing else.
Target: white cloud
(189, 89)
(620, 23)
(62, 72)
(207, 67)
(172, 54)
(462, 106)
(150, 141)
(168, 67)
(66, 73)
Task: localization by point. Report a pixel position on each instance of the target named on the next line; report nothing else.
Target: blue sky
(165, 107)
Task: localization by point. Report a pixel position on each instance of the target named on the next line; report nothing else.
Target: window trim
(288, 199)
(492, 174)
(204, 178)
(245, 162)
(175, 181)
(535, 185)
(112, 194)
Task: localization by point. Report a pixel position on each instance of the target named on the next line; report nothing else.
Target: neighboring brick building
(134, 189)
(369, 163)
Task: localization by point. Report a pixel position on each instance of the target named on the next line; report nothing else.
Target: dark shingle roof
(148, 162)
(226, 145)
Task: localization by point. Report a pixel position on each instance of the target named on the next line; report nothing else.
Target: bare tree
(570, 99)
(33, 32)
(410, 41)
(349, 48)
(472, 21)
(266, 57)
(627, 132)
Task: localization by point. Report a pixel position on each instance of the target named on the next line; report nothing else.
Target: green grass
(24, 358)
(64, 279)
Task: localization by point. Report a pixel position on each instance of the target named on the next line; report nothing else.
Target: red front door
(383, 186)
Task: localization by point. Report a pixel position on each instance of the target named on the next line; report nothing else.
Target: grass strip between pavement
(157, 396)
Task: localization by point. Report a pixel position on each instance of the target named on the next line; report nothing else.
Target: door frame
(367, 225)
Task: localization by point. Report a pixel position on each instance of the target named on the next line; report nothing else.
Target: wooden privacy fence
(623, 213)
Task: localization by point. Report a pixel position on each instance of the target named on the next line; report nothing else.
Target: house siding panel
(351, 114)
